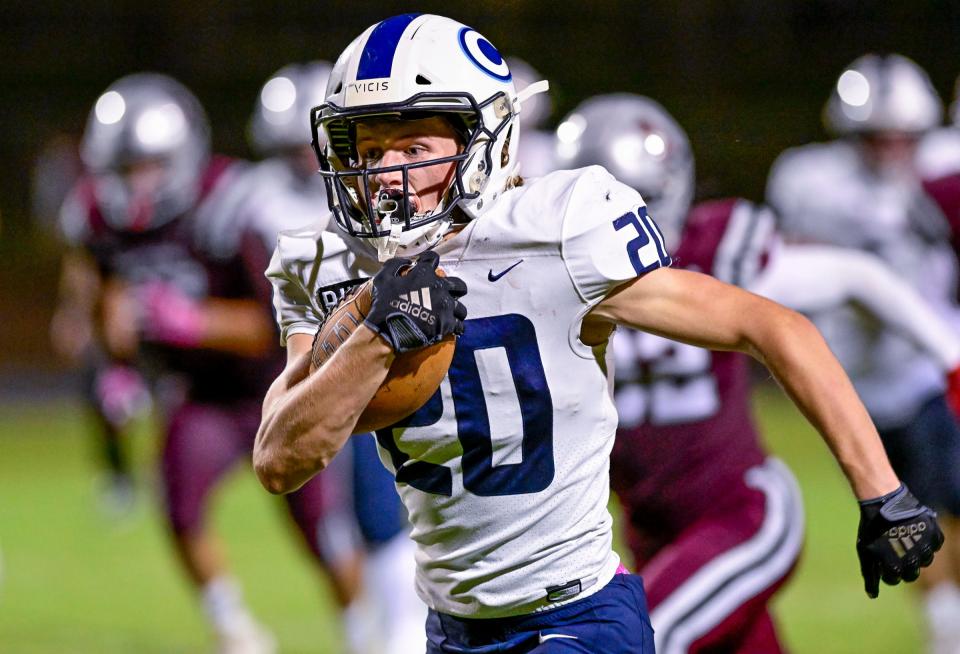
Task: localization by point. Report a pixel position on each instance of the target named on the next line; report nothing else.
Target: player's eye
(370, 157)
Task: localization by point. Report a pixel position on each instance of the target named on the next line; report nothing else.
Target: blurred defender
(180, 293)
(504, 470)
(714, 524)
(863, 191)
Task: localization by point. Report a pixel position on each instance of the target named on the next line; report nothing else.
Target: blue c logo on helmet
(483, 55)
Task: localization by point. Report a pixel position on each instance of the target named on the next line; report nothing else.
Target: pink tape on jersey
(171, 316)
(622, 570)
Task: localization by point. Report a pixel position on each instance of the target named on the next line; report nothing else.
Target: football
(413, 376)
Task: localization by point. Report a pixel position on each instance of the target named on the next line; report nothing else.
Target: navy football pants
(611, 621)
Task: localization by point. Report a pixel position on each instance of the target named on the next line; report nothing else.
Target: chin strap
(387, 245)
(388, 203)
(533, 89)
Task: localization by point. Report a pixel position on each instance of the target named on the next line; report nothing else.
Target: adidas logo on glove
(416, 304)
(903, 537)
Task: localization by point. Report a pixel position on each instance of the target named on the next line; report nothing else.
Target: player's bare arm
(237, 326)
(72, 326)
(299, 433)
(308, 419)
(700, 310)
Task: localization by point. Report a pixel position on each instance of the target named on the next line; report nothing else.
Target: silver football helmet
(640, 143)
(878, 93)
(281, 117)
(407, 67)
(151, 119)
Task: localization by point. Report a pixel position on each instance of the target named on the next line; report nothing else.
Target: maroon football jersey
(945, 191)
(686, 430)
(204, 256)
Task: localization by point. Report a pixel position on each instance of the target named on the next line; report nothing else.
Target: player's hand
(953, 391)
(897, 537)
(413, 307)
(170, 316)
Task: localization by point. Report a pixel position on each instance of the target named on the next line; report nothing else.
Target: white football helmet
(281, 117)
(414, 66)
(879, 93)
(140, 118)
(641, 144)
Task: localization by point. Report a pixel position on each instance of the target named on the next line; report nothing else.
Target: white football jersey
(504, 471)
(823, 193)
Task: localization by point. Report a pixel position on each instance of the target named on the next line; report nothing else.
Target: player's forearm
(236, 326)
(793, 350)
(312, 420)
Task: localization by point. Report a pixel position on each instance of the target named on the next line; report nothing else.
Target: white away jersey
(504, 471)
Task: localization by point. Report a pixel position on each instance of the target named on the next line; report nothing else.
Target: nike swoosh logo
(493, 278)
(545, 637)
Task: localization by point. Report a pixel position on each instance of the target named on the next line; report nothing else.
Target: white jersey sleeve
(813, 278)
(607, 238)
(311, 271)
(295, 311)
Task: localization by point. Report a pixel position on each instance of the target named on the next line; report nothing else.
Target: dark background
(746, 78)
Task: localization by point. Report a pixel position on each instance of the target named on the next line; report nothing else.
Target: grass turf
(74, 580)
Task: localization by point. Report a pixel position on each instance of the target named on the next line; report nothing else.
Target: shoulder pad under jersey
(607, 237)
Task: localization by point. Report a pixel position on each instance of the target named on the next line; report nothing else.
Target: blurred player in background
(113, 392)
(863, 191)
(504, 470)
(370, 554)
(714, 524)
(536, 151)
(180, 293)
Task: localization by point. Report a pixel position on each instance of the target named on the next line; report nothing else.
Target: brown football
(413, 376)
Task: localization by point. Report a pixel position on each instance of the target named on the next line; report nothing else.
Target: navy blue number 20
(646, 231)
(516, 335)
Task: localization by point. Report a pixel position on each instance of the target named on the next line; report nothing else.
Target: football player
(381, 614)
(113, 394)
(504, 470)
(862, 190)
(714, 524)
(180, 293)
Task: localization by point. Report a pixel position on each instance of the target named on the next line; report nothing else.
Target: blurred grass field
(73, 580)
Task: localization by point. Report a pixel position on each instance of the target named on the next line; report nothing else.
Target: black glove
(416, 309)
(897, 537)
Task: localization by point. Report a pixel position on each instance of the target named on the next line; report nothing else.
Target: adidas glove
(413, 307)
(897, 537)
